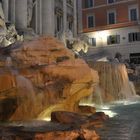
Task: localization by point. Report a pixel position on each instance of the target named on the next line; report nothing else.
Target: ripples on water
(124, 122)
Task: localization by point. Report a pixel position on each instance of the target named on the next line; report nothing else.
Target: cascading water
(114, 88)
(90, 99)
(26, 98)
(98, 96)
(116, 97)
(114, 82)
(8, 62)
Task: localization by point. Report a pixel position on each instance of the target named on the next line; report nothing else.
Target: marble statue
(75, 44)
(1, 11)
(80, 45)
(8, 33)
(66, 36)
(2, 23)
(31, 4)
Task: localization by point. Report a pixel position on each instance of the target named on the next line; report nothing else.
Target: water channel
(124, 122)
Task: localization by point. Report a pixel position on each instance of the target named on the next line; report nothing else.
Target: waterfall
(8, 62)
(98, 95)
(114, 83)
(26, 98)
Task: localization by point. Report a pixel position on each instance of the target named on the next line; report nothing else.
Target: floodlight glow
(48, 119)
(101, 36)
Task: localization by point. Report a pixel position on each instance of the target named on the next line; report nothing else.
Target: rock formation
(64, 126)
(43, 76)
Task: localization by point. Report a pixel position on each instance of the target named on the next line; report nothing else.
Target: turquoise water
(124, 122)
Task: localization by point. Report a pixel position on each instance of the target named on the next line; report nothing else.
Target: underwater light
(48, 119)
(86, 104)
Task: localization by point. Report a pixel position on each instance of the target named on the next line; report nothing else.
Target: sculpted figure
(80, 45)
(31, 4)
(8, 33)
(66, 36)
(70, 42)
(2, 23)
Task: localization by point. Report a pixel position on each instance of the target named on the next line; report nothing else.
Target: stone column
(12, 11)
(64, 15)
(48, 18)
(37, 17)
(40, 17)
(75, 17)
(21, 14)
(79, 11)
(6, 9)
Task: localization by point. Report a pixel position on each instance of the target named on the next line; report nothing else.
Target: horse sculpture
(76, 44)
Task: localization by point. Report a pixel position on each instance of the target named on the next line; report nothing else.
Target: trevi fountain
(49, 93)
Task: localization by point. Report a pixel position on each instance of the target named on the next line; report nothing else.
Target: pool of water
(124, 122)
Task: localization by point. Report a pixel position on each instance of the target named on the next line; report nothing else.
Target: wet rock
(95, 121)
(7, 82)
(45, 77)
(41, 130)
(69, 135)
(137, 87)
(82, 134)
(80, 121)
(7, 107)
(87, 109)
(40, 51)
(67, 117)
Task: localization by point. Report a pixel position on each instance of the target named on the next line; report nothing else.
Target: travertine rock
(7, 81)
(76, 134)
(80, 121)
(87, 109)
(46, 77)
(67, 117)
(41, 51)
(83, 134)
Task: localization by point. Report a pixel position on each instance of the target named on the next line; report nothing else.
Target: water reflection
(124, 123)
